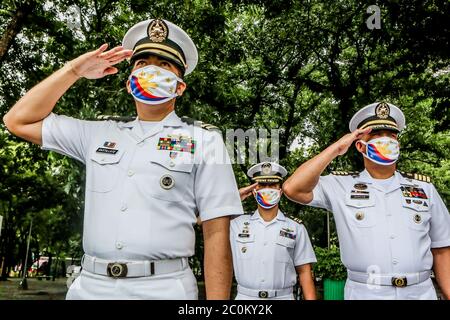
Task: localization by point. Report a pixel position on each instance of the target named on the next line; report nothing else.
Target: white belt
(396, 280)
(122, 269)
(264, 293)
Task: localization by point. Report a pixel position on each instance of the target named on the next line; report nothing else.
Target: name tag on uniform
(106, 150)
(108, 147)
(243, 235)
(359, 194)
(287, 234)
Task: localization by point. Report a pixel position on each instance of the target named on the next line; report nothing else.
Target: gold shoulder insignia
(345, 173)
(298, 220)
(208, 126)
(198, 123)
(116, 118)
(416, 176)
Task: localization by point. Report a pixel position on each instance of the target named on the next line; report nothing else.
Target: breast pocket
(284, 249)
(171, 179)
(245, 246)
(360, 212)
(416, 214)
(103, 171)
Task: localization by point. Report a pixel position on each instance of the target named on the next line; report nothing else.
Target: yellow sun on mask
(383, 148)
(145, 80)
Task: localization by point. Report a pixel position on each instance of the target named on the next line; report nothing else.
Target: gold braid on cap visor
(168, 51)
(267, 179)
(382, 122)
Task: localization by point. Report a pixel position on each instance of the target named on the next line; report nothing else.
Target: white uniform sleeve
(321, 193)
(67, 135)
(216, 191)
(440, 222)
(303, 252)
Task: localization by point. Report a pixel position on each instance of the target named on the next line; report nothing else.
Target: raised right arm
(25, 118)
(300, 185)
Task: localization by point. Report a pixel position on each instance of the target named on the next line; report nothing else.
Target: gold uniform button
(244, 249)
(417, 218)
(359, 216)
(167, 182)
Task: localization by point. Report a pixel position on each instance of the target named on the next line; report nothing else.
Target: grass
(37, 289)
(49, 290)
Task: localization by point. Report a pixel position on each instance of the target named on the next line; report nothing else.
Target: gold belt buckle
(263, 294)
(117, 270)
(399, 282)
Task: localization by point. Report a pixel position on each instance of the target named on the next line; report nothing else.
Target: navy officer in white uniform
(147, 179)
(393, 227)
(270, 249)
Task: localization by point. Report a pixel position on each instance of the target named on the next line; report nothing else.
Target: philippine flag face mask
(153, 85)
(267, 197)
(384, 151)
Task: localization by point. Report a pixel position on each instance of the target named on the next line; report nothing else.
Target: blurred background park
(301, 66)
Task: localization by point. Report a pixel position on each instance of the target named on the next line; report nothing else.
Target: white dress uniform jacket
(145, 189)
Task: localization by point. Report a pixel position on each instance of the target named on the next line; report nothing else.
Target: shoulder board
(298, 220)
(345, 173)
(116, 118)
(416, 176)
(200, 124)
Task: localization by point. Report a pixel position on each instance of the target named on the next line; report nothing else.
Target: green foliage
(304, 67)
(329, 265)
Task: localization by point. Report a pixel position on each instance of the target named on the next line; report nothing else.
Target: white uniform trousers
(241, 296)
(180, 285)
(362, 291)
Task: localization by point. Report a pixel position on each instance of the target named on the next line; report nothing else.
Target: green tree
(303, 67)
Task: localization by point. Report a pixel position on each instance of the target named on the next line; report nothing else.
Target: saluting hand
(346, 141)
(247, 191)
(98, 63)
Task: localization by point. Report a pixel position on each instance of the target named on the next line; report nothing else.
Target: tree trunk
(8, 251)
(7, 264)
(14, 27)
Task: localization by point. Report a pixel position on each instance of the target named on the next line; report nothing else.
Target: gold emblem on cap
(382, 110)
(266, 168)
(157, 30)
